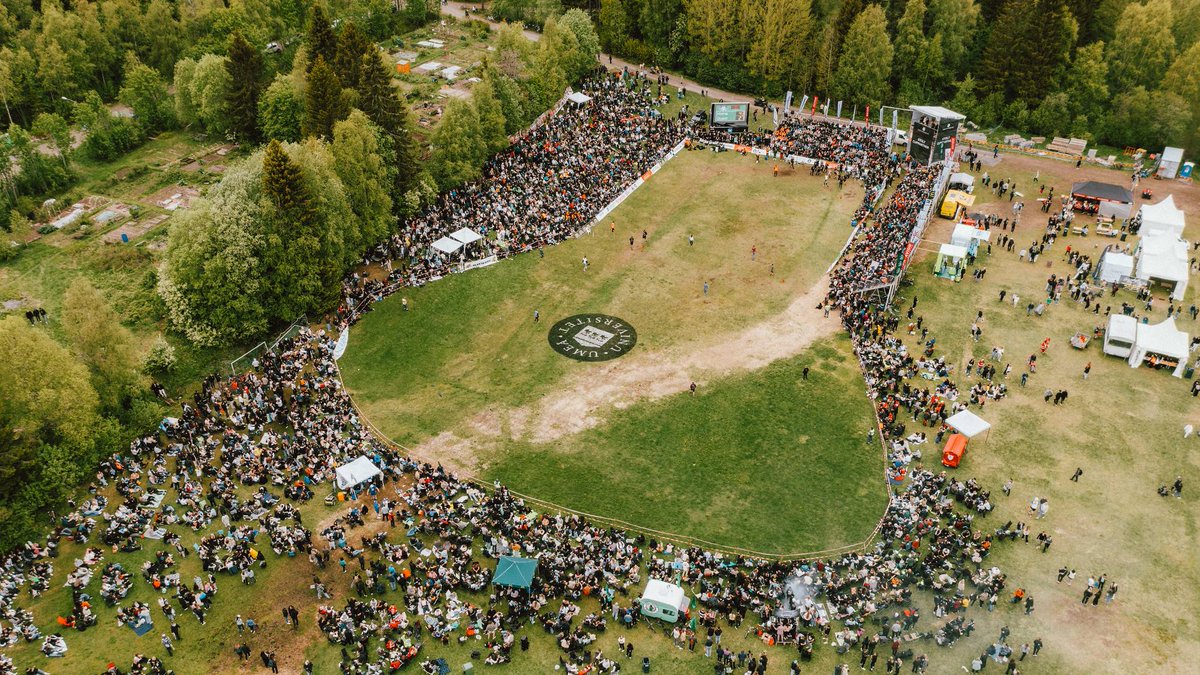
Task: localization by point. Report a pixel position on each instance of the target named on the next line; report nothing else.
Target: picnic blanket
(142, 629)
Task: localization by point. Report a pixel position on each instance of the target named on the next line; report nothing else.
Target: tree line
(1123, 72)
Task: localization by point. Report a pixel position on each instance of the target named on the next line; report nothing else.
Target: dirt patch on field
(583, 400)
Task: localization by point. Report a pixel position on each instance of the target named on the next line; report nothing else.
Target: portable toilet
(953, 453)
(663, 600)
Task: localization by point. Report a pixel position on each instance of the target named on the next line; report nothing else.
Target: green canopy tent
(514, 571)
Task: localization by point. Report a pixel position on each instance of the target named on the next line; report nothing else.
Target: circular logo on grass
(592, 337)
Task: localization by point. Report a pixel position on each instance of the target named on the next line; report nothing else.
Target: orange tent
(952, 454)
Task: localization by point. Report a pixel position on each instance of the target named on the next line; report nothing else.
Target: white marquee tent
(1113, 266)
(578, 97)
(968, 423)
(1164, 259)
(466, 235)
(1162, 340)
(447, 245)
(1162, 219)
(359, 471)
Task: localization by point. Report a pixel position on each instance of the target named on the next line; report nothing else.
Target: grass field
(468, 378)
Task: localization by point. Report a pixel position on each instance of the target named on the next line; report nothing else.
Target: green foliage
(612, 29)
(360, 164)
(778, 53)
(491, 116)
(281, 111)
(245, 67)
(320, 42)
(1052, 117)
(510, 99)
(207, 97)
(161, 358)
(1146, 119)
(107, 137)
(866, 61)
(458, 146)
(382, 105)
(323, 105)
(99, 341)
(55, 129)
(1143, 46)
(1087, 80)
(145, 91)
(352, 45)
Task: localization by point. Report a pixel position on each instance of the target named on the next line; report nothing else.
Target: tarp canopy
(1113, 266)
(447, 245)
(964, 233)
(466, 235)
(359, 471)
(1095, 190)
(514, 571)
(952, 251)
(968, 423)
(1120, 335)
(579, 97)
(964, 179)
(1163, 218)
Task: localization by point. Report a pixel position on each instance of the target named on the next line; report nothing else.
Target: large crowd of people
(246, 450)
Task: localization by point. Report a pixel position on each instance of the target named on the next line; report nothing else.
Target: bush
(161, 357)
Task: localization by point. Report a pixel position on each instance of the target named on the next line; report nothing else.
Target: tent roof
(968, 423)
(963, 231)
(1163, 338)
(1164, 213)
(466, 235)
(1106, 191)
(1170, 154)
(1164, 258)
(937, 111)
(514, 571)
(964, 178)
(953, 251)
(447, 245)
(1122, 327)
(358, 471)
(664, 593)
(1118, 261)
(579, 97)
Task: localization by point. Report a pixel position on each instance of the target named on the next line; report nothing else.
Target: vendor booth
(1160, 345)
(662, 600)
(1164, 260)
(446, 245)
(951, 262)
(962, 181)
(955, 448)
(578, 98)
(1102, 199)
(514, 571)
(969, 237)
(355, 473)
(1168, 166)
(1162, 219)
(1113, 266)
(1120, 335)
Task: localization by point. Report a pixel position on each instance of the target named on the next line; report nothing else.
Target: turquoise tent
(514, 571)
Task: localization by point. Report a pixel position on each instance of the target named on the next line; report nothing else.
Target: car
(900, 137)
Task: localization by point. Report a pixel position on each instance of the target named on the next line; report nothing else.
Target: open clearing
(467, 377)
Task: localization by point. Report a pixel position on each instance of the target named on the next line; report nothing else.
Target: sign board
(732, 116)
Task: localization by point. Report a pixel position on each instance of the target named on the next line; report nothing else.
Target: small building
(663, 600)
(1163, 259)
(1120, 335)
(951, 262)
(1168, 165)
(969, 237)
(1102, 199)
(1114, 266)
(932, 133)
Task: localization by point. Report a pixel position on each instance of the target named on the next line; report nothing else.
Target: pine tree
(866, 61)
(352, 44)
(379, 100)
(245, 67)
(778, 53)
(848, 12)
(283, 183)
(321, 41)
(1002, 54)
(292, 264)
(324, 104)
(491, 116)
(910, 38)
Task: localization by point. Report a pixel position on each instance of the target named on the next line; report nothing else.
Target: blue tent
(514, 571)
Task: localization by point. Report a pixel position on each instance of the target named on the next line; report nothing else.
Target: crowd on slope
(245, 449)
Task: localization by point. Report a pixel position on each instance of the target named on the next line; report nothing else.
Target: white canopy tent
(961, 181)
(1164, 259)
(964, 234)
(1162, 340)
(1171, 159)
(466, 235)
(447, 245)
(357, 472)
(1120, 335)
(578, 97)
(1162, 219)
(968, 423)
(1113, 266)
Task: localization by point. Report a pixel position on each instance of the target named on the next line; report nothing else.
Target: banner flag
(839, 109)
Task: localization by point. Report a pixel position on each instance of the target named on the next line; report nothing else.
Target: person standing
(706, 288)
(166, 643)
(537, 316)
(1077, 474)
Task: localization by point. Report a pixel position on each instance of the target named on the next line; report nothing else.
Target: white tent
(465, 235)
(1120, 336)
(1113, 266)
(1163, 218)
(964, 234)
(663, 600)
(968, 423)
(447, 245)
(1161, 341)
(1164, 259)
(1171, 159)
(961, 181)
(359, 471)
(578, 97)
